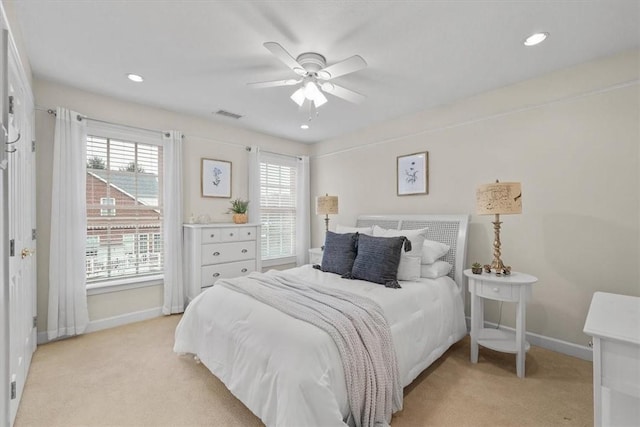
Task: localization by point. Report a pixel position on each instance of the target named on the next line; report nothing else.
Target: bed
(289, 372)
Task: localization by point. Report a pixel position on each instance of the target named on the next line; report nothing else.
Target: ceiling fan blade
(341, 68)
(274, 83)
(285, 57)
(343, 93)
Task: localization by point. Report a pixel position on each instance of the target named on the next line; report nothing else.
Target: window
(278, 178)
(107, 201)
(123, 170)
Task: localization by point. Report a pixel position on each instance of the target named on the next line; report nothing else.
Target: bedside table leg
(520, 338)
(476, 324)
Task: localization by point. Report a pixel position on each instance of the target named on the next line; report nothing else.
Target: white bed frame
(448, 229)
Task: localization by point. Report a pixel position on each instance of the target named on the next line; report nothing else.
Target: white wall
(571, 138)
(203, 138)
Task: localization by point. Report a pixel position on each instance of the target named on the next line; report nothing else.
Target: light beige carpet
(129, 376)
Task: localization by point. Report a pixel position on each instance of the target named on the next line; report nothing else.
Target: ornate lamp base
(497, 265)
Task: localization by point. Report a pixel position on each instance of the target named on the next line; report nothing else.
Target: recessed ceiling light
(135, 78)
(535, 39)
(304, 126)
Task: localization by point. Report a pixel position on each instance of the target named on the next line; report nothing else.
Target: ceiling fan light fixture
(535, 39)
(320, 101)
(327, 86)
(298, 97)
(311, 90)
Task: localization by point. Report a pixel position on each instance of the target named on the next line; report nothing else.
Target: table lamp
(499, 198)
(326, 205)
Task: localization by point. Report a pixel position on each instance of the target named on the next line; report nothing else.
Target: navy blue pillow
(339, 252)
(377, 260)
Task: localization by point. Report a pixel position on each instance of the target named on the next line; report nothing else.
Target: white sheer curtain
(254, 185)
(174, 289)
(303, 221)
(68, 314)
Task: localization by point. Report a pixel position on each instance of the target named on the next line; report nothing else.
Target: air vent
(228, 114)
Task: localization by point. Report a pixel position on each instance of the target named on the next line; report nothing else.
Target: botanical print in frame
(413, 174)
(216, 178)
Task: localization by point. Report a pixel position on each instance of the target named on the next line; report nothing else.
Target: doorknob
(26, 252)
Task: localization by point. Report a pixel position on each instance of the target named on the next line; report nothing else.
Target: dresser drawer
(501, 292)
(218, 253)
(247, 233)
(211, 273)
(237, 234)
(211, 235)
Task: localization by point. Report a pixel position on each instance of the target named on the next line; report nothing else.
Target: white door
(22, 265)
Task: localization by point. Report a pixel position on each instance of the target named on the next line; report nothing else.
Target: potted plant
(239, 210)
(476, 268)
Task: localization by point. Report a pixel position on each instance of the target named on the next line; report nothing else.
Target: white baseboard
(553, 344)
(111, 322)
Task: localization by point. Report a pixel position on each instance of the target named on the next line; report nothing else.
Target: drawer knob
(496, 289)
(216, 253)
(213, 235)
(216, 274)
(244, 270)
(230, 234)
(244, 251)
(248, 233)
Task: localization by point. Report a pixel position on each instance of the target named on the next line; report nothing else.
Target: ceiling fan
(314, 77)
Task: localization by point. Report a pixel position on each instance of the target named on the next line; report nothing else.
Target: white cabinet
(216, 251)
(614, 323)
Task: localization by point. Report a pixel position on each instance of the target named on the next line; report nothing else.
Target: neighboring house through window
(123, 171)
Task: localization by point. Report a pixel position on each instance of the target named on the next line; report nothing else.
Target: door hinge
(13, 390)
(35, 321)
(34, 234)
(33, 145)
(11, 104)
(12, 247)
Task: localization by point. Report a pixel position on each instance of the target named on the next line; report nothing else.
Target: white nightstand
(315, 256)
(515, 287)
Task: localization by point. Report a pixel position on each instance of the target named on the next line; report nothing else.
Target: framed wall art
(413, 174)
(216, 178)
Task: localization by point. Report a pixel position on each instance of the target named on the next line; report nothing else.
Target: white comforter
(289, 372)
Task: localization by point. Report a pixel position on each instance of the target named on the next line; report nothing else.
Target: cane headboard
(448, 229)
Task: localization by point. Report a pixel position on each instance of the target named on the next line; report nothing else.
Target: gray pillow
(377, 260)
(339, 252)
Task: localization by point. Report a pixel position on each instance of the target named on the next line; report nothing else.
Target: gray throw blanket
(359, 329)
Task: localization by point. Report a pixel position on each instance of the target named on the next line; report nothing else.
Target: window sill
(278, 261)
(124, 284)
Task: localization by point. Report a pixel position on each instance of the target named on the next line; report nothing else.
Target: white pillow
(408, 269)
(435, 270)
(432, 250)
(341, 229)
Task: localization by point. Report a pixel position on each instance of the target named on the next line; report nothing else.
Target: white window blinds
(278, 206)
(124, 208)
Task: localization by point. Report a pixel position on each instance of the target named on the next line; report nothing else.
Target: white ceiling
(197, 56)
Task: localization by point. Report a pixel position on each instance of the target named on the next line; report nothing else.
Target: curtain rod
(81, 117)
(248, 148)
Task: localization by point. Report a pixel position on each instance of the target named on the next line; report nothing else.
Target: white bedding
(289, 372)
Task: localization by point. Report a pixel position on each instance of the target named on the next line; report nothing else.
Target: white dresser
(614, 323)
(216, 251)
